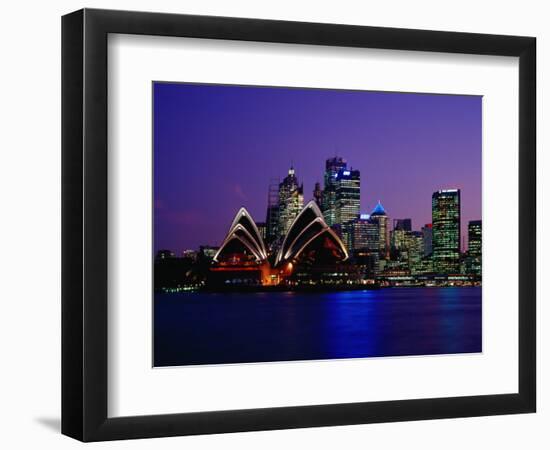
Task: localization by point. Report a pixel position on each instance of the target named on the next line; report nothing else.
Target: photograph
(299, 224)
(262, 225)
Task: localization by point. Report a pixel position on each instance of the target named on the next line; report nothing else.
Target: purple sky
(216, 148)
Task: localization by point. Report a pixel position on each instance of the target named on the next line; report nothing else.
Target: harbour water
(214, 328)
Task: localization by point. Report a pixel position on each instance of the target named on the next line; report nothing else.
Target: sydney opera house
(310, 252)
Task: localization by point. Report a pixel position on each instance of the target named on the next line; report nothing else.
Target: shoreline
(312, 289)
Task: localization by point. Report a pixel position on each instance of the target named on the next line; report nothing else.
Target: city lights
(330, 243)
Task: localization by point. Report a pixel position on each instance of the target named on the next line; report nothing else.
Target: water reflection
(201, 328)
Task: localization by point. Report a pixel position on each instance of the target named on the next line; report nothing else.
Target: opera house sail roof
(243, 237)
(308, 231)
(309, 239)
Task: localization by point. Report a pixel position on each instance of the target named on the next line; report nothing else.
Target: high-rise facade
(446, 231)
(318, 195)
(348, 201)
(291, 201)
(380, 218)
(359, 235)
(427, 235)
(373, 236)
(407, 248)
(365, 244)
(473, 259)
(272, 216)
(474, 238)
(348, 195)
(364, 235)
(415, 250)
(341, 197)
(397, 238)
(332, 167)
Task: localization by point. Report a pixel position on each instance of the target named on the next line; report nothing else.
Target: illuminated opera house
(309, 253)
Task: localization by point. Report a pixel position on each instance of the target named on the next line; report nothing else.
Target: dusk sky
(217, 147)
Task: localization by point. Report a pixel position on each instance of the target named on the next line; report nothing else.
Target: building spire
(378, 210)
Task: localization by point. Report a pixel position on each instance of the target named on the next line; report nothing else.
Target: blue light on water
(207, 328)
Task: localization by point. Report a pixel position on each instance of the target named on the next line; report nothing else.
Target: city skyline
(285, 219)
(186, 215)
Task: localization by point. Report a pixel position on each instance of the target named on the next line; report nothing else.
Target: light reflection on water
(207, 328)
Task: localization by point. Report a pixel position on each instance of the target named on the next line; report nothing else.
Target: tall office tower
(473, 260)
(332, 167)
(272, 217)
(397, 240)
(446, 231)
(398, 235)
(402, 224)
(373, 240)
(364, 234)
(373, 236)
(474, 237)
(427, 233)
(380, 217)
(348, 195)
(365, 244)
(291, 201)
(359, 236)
(318, 195)
(415, 250)
(348, 201)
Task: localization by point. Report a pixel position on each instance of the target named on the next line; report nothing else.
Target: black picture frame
(84, 224)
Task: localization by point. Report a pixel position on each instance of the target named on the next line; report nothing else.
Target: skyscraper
(379, 216)
(364, 234)
(397, 240)
(427, 233)
(365, 244)
(473, 260)
(318, 195)
(291, 201)
(446, 230)
(332, 167)
(272, 216)
(348, 195)
(397, 236)
(474, 238)
(415, 250)
(347, 201)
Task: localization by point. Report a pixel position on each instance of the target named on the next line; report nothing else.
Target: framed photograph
(273, 224)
